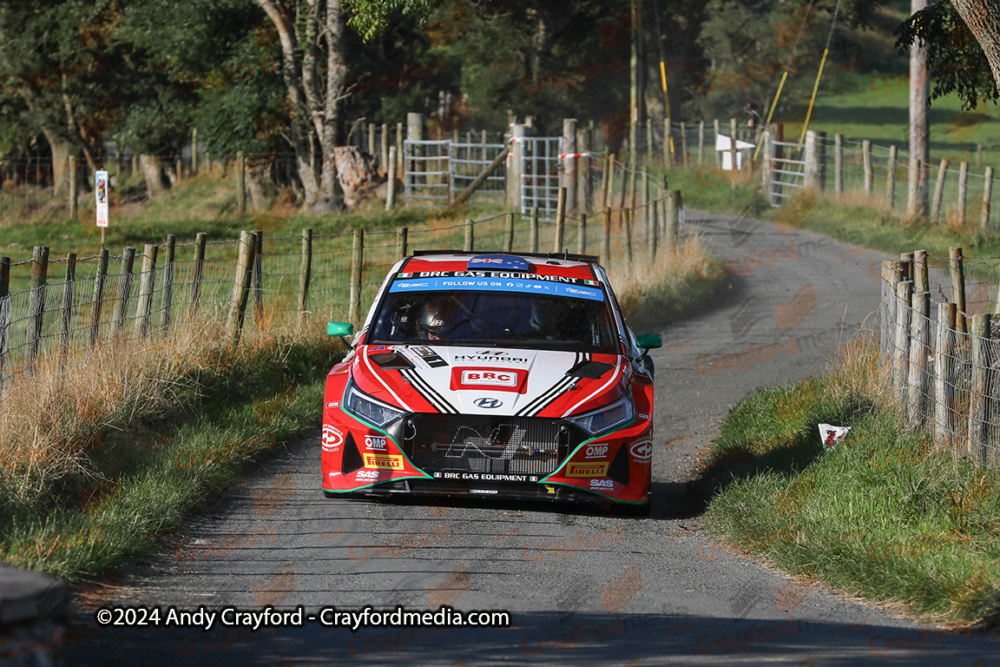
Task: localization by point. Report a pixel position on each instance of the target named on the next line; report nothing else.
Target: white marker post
(101, 192)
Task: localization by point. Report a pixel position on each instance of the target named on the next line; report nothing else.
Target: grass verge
(879, 514)
(102, 460)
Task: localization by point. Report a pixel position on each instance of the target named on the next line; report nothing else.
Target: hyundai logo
(488, 403)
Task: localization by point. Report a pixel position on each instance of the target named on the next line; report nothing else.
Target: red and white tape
(574, 155)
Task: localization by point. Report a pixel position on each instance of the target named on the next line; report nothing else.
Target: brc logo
(587, 469)
(376, 442)
(602, 484)
(383, 462)
(492, 378)
(596, 451)
(333, 438)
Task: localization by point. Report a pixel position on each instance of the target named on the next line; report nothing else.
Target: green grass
(878, 514)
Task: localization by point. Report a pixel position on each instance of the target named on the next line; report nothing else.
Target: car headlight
(364, 406)
(606, 418)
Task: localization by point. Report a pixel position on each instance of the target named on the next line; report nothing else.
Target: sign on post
(101, 192)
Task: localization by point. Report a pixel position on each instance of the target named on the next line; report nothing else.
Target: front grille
(486, 444)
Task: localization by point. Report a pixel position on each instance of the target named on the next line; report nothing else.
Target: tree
(963, 47)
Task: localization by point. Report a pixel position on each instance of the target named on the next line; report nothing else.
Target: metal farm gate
(426, 179)
(540, 174)
(787, 173)
(467, 160)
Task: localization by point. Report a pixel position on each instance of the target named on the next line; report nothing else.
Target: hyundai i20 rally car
(510, 375)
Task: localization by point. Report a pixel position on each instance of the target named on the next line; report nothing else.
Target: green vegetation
(879, 514)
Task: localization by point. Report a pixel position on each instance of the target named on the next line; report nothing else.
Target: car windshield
(498, 318)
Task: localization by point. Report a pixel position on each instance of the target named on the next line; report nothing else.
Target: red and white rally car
(503, 374)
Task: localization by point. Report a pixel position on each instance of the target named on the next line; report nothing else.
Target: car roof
(563, 264)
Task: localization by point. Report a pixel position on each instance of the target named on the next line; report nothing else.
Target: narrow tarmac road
(580, 589)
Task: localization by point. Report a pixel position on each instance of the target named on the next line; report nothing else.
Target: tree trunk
(152, 172)
(983, 19)
(60, 164)
(260, 186)
(355, 171)
(919, 101)
(336, 80)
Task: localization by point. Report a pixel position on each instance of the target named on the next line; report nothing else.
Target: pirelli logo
(587, 469)
(382, 462)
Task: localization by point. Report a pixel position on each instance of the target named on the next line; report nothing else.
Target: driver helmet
(437, 318)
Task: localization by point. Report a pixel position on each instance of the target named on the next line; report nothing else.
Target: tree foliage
(955, 59)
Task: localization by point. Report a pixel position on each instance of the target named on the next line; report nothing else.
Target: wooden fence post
(584, 189)
(956, 265)
(399, 150)
(921, 279)
(939, 190)
(168, 280)
(684, 144)
(533, 232)
(569, 164)
(560, 219)
(904, 317)
(371, 140)
(987, 198)
(732, 153)
(582, 236)
(963, 183)
(866, 155)
(402, 241)
(98, 300)
(838, 164)
(241, 192)
(667, 157)
(651, 229)
(606, 177)
(508, 241)
(888, 311)
(469, 236)
(718, 154)
(606, 242)
(67, 305)
(812, 163)
(384, 158)
(258, 279)
(627, 219)
(241, 287)
(920, 332)
(890, 179)
(649, 140)
(5, 313)
(73, 185)
(199, 264)
(39, 273)
(979, 399)
(390, 195)
(357, 265)
(674, 206)
(701, 142)
(147, 278)
(305, 271)
(944, 375)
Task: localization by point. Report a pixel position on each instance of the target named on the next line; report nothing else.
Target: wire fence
(941, 347)
(68, 306)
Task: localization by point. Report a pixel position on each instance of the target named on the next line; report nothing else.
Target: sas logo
(492, 378)
(641, 450)
(333, 438)
(596, 451)
(376, 442)
(602, 484)
(587, 469)
(383, 462)
(366, 475)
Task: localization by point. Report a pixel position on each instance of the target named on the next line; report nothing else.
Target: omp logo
(493, 378)
(376, 442)
(383, 462)
(641, 450)
(587, 469)
(596, 451)
(332, 438)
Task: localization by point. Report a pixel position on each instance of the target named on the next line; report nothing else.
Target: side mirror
(339, 329)
(649, 341)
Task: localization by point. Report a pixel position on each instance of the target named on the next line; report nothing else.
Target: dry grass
(55, 418)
